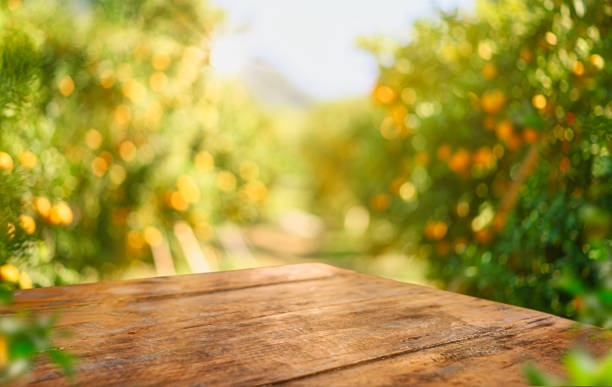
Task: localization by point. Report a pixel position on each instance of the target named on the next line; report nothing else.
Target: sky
(312, 43)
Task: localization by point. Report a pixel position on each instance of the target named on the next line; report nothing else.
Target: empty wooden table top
(309, 324)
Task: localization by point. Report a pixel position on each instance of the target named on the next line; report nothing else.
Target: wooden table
(308, 324)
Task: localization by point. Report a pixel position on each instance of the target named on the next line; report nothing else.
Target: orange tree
(18, 70)
(125, 132)
(493, 158)
(22, 338)
(509, 117)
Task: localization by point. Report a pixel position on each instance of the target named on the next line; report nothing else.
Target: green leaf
(63, 360)
(535, 377)
(6, 296)
(21, 347)
(580, 366)
(604, 371)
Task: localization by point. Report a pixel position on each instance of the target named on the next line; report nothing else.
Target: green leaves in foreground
(582, 370)
(22, 339)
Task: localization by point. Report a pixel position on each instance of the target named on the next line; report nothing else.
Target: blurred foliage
(343, 150)
(492, 159)
(121, 131)
(22, 339)
(581, 368)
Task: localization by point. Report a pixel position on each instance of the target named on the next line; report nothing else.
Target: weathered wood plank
(490, 360)
(173, 286)
(302, 324)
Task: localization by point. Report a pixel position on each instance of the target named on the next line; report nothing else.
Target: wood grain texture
(307, 324)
